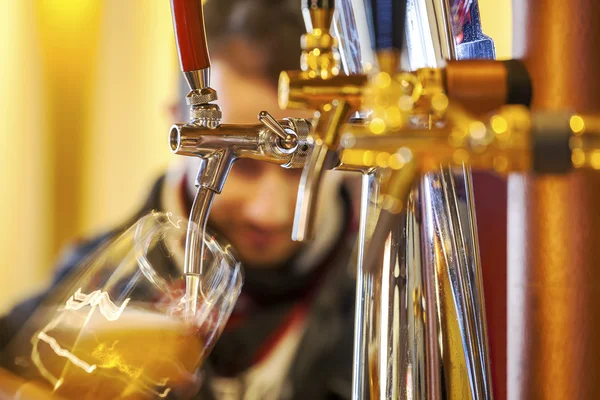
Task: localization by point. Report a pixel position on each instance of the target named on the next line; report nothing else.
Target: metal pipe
(456, 347)
(553, 221)
(369, 212)
(427, 335)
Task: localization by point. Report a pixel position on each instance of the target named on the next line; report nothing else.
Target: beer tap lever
(188, 23)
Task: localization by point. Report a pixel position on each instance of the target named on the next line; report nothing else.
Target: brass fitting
(319, 86)
(320, 57)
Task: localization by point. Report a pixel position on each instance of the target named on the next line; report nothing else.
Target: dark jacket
(322, 366)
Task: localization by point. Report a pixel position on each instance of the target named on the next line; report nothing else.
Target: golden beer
(139, 355)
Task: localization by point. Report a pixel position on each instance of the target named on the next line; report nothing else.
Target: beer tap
(219, 145)
(319, 85)
(511, 140)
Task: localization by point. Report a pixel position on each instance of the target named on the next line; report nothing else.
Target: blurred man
(290, 335)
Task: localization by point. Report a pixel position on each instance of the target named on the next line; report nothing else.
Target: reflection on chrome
(369, 213)
(423, 304)
(460, 355)
(421, 310)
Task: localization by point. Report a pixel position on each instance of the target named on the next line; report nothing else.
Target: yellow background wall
(496, 20)
(85, 87)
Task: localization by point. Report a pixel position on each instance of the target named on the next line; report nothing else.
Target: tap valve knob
(287, 141)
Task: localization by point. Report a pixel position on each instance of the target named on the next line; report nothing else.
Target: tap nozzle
(322, 157)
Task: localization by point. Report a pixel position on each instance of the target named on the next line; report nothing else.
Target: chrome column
(369, 211)
(458, 358)
(425, 317)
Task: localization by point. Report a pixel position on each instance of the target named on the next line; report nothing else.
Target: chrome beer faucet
(219, 145)
(322, 86)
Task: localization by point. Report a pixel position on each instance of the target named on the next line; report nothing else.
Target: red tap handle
(188, 22)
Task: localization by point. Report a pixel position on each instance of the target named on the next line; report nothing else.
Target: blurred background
(86, 88)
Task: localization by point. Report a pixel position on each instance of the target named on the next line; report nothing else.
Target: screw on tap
(200, 98)
(208, 115)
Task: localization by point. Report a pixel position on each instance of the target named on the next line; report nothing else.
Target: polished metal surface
(554, 223)
(202, 111)
(320, 86)
(429, 34)
(218, 148)
(323, 137)
(288, 140)
(449, 240)
(256, 141)
(354, 36)
(421, 308)
(422, 331)
(303, 228)
(426, 271)
(387, 333)
(201, 96)
(345, 29)
(396, 333)
(301, 128)
(450, 253)
(198, 79)
(207, 115)
(369, 213)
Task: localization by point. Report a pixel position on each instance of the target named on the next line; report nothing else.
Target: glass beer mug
(116, 329)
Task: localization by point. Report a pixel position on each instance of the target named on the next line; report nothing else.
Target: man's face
(255, 212)
(256, 208)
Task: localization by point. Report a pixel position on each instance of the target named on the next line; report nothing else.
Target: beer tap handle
(188, 23)
(287, 141)
(190, 35)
